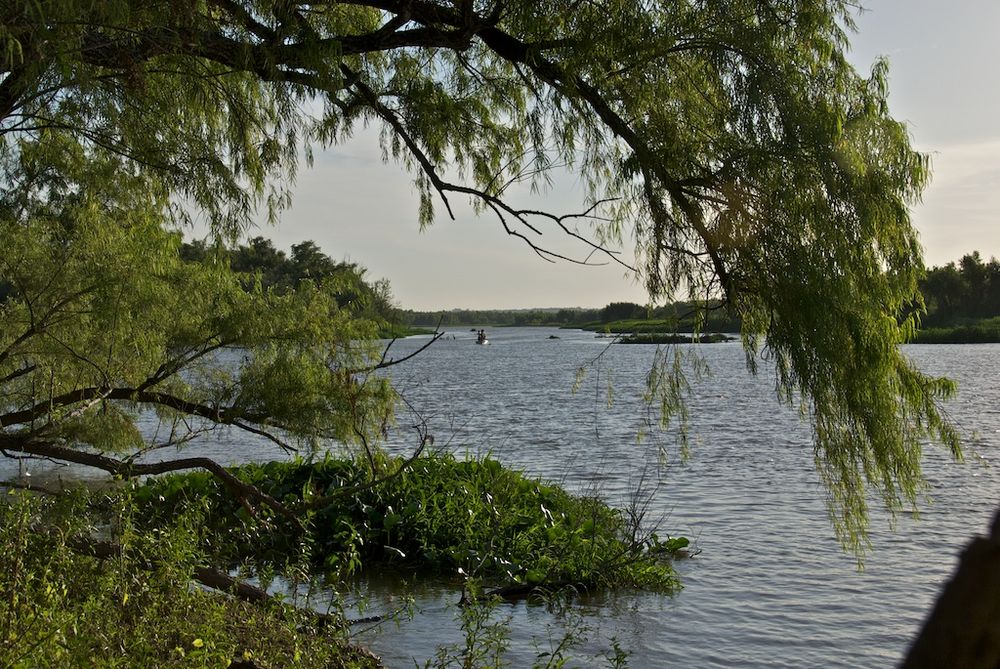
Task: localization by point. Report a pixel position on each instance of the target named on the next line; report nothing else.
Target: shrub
(60, 606)
(441, 514)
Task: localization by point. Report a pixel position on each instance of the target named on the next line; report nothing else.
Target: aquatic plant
(473, 518)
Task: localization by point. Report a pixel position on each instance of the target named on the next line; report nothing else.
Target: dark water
(771, 586)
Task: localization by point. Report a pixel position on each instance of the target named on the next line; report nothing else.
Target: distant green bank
(396, 331)
(986, 331)
(653, 331)
(674, 317)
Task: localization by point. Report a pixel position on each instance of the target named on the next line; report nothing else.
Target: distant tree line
(955, 293)
(499, 317)
(678, 316)
(961, 293)
(259, 261)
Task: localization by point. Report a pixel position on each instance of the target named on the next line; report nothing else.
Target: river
(771, 586)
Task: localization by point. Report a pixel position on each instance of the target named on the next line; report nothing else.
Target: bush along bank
(981, 332)
(439, 514)
(75, 596)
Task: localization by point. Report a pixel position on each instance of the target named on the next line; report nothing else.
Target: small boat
(481, 338)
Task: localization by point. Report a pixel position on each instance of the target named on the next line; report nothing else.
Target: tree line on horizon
(961, 293)
(259, 261)
(679, 313)
(956, 293)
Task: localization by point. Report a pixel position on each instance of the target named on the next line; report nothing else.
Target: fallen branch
(210, 577)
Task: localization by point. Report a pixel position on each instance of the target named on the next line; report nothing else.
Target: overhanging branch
(127, 470)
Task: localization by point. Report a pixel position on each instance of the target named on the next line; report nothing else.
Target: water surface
(771, 586)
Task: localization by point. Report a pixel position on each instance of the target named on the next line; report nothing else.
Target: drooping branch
(573, 86)
(295, 53)
(126, 469)
(498, 205)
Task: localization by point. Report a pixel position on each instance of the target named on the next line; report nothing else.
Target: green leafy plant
(440, 514)
(126, 599)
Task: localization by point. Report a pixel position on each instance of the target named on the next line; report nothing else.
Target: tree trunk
(963, 629)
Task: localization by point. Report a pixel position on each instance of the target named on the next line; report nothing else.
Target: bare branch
(390, 362)
(127, 470)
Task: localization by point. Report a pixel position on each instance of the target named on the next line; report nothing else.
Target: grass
(396, 331)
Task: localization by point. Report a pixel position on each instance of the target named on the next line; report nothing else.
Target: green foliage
(470, 517)
(986, 331)
(669, 319)
(64, 608)
(263, 267)
(622, 311)
(732, 140)
(104, 319)
(486, 637)
(960, 295)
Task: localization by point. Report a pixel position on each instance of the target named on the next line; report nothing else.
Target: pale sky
(944, 83)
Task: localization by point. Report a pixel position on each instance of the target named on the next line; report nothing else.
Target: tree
(259, 255)
(259, 261)
(944, 290)
(968, 292)
(732, 139)
(106, 322)
(617, 311)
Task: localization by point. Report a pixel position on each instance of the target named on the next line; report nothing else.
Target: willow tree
(731, 140)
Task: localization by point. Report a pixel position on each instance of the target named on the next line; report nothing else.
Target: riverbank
(986, 331)
(125, 598)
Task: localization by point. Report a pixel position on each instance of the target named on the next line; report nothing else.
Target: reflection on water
(771, 586)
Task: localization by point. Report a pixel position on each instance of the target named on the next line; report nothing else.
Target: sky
(944, 62)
